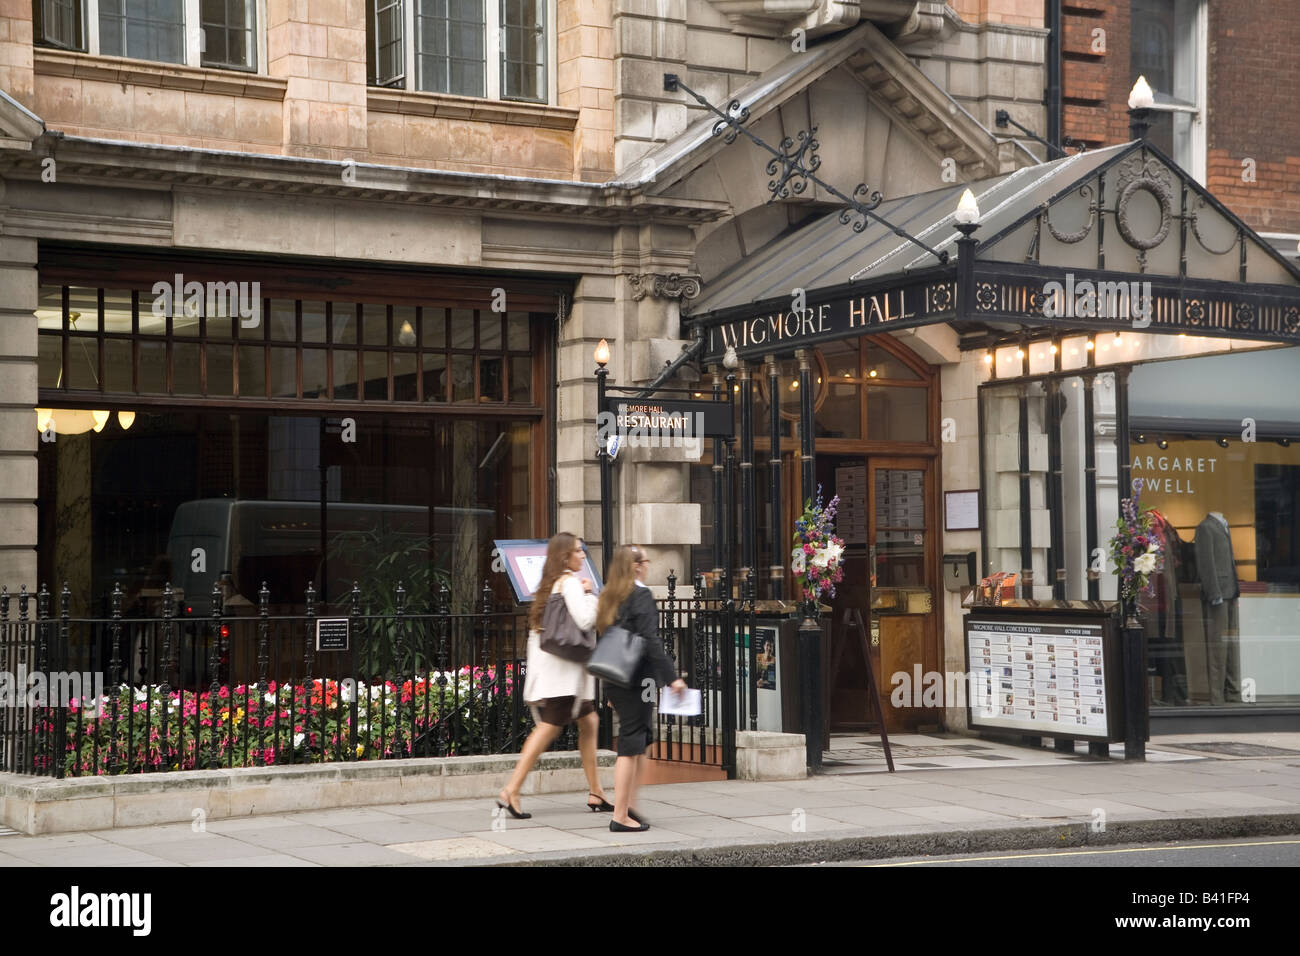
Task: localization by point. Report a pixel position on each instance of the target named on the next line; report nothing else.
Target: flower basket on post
(1136, 555)
(817, 568)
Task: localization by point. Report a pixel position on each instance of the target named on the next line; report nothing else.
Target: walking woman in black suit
(628, 602)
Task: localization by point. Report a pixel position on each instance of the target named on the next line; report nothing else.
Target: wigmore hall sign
(783, 330)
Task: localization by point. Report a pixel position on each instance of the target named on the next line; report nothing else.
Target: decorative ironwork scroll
(791, 161)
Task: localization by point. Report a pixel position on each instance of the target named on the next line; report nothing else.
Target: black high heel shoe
(517, 814)
(602, 807)
(616, 827)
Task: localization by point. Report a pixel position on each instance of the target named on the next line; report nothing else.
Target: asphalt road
(1270, 851)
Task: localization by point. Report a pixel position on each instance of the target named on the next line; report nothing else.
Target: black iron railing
(241, 686)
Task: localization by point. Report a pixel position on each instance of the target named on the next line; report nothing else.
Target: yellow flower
(361, 748)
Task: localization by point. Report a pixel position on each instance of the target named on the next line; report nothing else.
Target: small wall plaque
(332, 634)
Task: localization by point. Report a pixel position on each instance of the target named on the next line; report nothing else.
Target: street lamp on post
(602, 455)
(967, 219)
(1140, 102)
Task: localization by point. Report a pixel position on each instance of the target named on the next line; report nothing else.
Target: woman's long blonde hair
(558, 551)
(622, 579)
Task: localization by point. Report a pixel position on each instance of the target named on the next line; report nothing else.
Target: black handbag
(561, 636)
(617, 656)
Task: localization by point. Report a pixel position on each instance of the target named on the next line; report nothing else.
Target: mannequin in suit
(1217, 570)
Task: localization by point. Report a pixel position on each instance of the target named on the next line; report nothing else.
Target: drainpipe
(1052, 17)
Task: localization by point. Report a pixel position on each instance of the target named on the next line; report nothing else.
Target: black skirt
(635, 717)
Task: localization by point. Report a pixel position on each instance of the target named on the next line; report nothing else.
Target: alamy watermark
(25, 688)
(242, 299)
(648, 425)
(1102, 299)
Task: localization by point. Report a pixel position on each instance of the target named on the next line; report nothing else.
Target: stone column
(585, 82)
(592, 317)
(320, 46)
(18, 436)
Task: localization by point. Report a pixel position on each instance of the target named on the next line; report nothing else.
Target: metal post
(810, 679)
(1090, 485)
(729, 558)
(806, 452)
(1121, 433)
(774, 464)
(1026, 529)
(1056, 551)
(748, 503)
(1139, 124)
(719, 505)
(602, 456)
(1135, 671)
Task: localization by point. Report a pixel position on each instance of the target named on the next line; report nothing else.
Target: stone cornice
(171, 76)
(445, 106)
(142, 165)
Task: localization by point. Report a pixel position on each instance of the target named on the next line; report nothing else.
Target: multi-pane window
(143, 29)
(523, 54)
(229, 37)
(1168, 47)
(385, 50)
(58, 23)
(484, 48)
(113, 341)
(226, 34)
(450, 38)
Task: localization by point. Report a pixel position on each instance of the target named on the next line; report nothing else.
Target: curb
(886, 846)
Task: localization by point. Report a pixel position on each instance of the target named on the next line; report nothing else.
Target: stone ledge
(447, 106)
(39, 805)
(120, 69)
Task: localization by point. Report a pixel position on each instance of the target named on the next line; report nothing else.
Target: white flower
(828, 556)
(270, 698)
(346, 692)
(1146, 563)
(797, 561)
(298, 739)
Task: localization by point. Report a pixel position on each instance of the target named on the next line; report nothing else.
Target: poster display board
(522, 559)
(1044, 672)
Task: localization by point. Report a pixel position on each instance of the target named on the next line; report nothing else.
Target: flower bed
(136, 729)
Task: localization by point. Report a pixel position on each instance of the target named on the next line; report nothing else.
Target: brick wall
(1253, 61)
(1093, 83)
(1254, 66)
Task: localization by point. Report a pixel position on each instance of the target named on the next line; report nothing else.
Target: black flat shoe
(517, 814)
(602, 807)
(616, 827)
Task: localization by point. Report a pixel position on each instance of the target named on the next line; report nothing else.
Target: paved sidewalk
(841, 816)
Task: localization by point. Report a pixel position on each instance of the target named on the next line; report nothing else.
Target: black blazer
(640, 615)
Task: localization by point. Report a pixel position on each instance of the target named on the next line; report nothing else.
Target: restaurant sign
(659, 422)
(779, 331)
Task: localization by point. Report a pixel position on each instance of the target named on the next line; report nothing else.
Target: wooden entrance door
(903, 543)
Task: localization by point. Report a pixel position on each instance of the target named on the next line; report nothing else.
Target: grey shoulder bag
(617, 656)
(561, 635)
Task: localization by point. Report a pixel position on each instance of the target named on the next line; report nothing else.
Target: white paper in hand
(689, 703)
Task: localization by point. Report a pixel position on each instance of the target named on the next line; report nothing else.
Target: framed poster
(1047, 673)
(961, 510)
(522, 559)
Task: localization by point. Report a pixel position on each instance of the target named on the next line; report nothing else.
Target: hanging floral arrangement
(816, 560)
(1135, 550)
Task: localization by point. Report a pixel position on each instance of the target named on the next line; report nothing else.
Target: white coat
(551, 676)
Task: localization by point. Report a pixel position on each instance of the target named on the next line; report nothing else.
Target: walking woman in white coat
(559, 691)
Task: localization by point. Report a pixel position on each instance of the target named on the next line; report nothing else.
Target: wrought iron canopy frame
(794, 165)
(977, 294)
